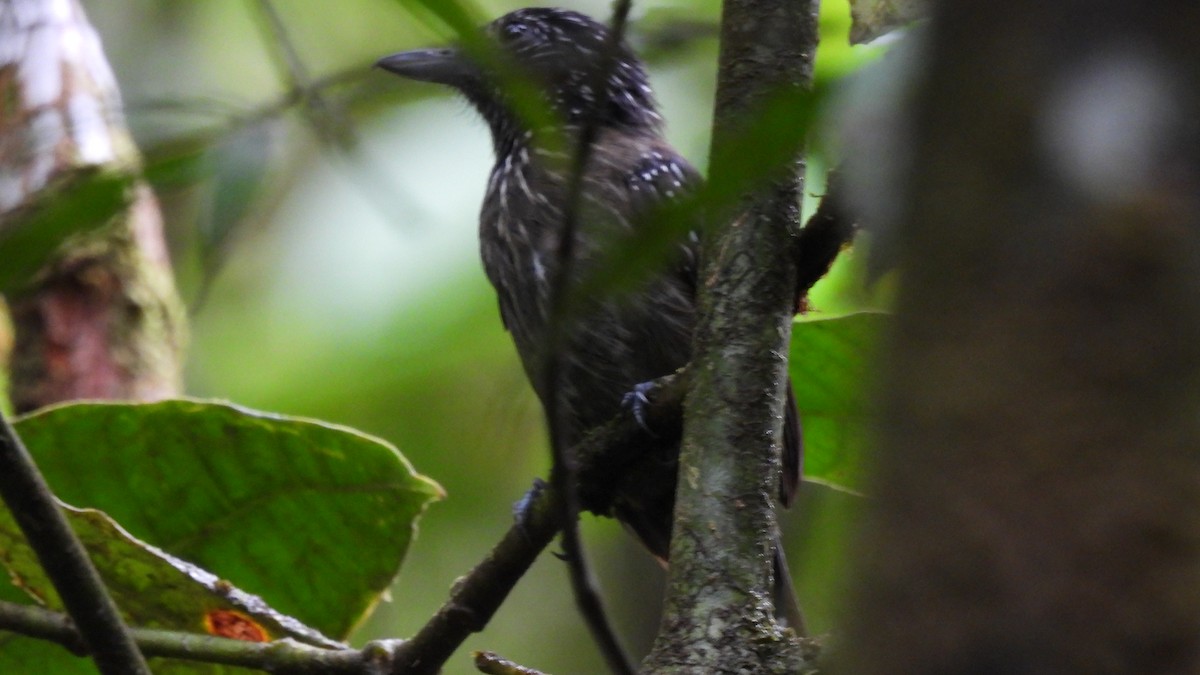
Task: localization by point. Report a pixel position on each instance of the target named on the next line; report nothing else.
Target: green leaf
(82, 200)
(152, 588)
(313, 517)
(831, 362)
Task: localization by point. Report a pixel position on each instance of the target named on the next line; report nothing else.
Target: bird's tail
(787, 606)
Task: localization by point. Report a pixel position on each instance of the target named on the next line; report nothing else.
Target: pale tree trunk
(101, 319)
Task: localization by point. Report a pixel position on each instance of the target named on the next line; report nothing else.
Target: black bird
(616, 343)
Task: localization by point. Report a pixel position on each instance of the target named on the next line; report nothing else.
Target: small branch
(285, 50)
(493, 664)
(827, 232)
(563, 473)
(232, 117)
(62, 556)
(603, 457)
(324, 117)
(476, 597)
(281, 656)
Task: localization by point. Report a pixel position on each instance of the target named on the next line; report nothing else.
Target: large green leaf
(153, 589)
(831, 372)
(315, 518)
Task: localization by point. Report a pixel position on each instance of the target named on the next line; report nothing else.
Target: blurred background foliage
(328, 252)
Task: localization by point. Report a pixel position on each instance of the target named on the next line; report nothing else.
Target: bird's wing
(658, 179)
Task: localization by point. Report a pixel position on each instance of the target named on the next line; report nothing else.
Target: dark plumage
(615, 343)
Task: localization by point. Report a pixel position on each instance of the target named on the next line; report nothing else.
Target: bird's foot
(522, 511)
(638, 403)
(522, 508)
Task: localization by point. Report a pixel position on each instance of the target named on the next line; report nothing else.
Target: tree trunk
(101, 319)
(718, 613)
(1037, 498)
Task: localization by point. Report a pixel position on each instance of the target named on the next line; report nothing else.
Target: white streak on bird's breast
(519, 174)
(524, 225)
(539, 270)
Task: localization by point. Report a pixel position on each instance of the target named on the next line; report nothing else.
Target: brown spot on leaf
(235, 625)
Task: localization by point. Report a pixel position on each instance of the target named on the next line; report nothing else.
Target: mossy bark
(101, 319)
(718, 616)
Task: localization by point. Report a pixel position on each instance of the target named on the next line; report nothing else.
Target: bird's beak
(444, 66)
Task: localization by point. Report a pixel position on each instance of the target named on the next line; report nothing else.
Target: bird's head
(558, 51)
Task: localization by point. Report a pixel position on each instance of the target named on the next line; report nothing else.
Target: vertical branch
(563, 474)
(66, 562)
(724, 518)
(101, 319)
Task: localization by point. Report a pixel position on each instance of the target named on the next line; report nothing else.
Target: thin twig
(326, 119)
(64, 559)
(280, 656)
(494, 664)
(234, 116)
(827, 232)
(477, 596)
(562, 475)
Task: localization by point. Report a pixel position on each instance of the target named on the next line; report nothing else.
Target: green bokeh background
(351, 289)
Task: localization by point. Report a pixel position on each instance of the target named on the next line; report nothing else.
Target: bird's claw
(522, 511)
(638, 403)
(522, 507)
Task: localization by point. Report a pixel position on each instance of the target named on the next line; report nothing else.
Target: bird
(615, 343)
